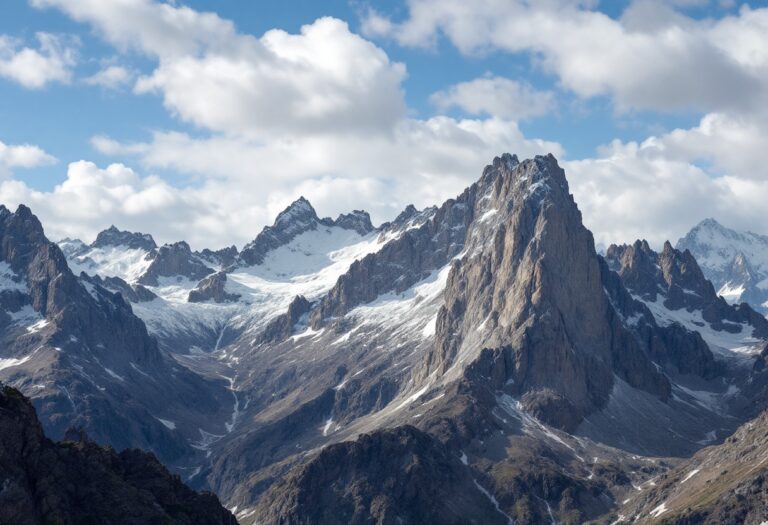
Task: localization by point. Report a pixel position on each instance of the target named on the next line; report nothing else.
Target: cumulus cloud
(90, 195)
(495, 96)
(658, 190)
(22, 156)
(324, 79)
(110, 77)
(52, 61)
(674, 63)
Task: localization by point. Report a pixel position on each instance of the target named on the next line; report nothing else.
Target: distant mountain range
(473, 362)
(735, 262)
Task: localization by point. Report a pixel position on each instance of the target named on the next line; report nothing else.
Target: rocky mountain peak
(112, 236)
(299, 213)
(299, 217)
(533, 285)
(358, 220)
(735, 262)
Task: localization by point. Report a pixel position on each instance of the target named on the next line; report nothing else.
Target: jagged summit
(298, 213)
(112, 236)
(298, 218)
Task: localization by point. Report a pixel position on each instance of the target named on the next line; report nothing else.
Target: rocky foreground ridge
(76, 481)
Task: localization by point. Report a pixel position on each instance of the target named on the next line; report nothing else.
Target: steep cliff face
(75, 482)
(530, 288)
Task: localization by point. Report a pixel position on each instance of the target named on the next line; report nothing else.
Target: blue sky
(647, 68)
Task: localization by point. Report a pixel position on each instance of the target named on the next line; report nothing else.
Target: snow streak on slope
(722, 343)
(111, 261)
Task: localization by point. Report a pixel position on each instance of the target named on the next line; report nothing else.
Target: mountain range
(472, 362)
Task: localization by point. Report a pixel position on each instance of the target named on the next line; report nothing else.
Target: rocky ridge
(77, 481)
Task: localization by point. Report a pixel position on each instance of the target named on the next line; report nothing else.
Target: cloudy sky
(202, 119)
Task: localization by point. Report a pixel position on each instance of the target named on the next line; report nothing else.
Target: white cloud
(656, 190)
(674, 63)
(35, 68)
(496, 96)
(22, 156)
(110, 77)
(324, 79)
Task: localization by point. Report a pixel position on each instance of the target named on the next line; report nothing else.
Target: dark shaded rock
(78, 482)
(134, 293)
(114, 237)
(103, 371)
(281, 327)
(174, 260)
(400, 475)
(212, 288)
(678, 279)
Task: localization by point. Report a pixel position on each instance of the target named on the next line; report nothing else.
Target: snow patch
(170, 425)
(12, 361)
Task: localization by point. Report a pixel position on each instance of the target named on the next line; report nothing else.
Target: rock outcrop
(175, 261)
(400, 475)
(212, 288)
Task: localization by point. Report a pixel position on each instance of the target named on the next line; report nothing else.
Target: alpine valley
(473, 362)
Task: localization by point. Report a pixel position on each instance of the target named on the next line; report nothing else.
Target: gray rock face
(537, 289)
(298, 218)
(114, 237)
(735, 262)
(212, 289)
(410, 217)
(358, 221)
(400, 475)
(80, 482)
(174, 260)
(404, 261)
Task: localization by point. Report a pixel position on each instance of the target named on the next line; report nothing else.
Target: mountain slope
(80, 482)
(727, 483)
(85, 359)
